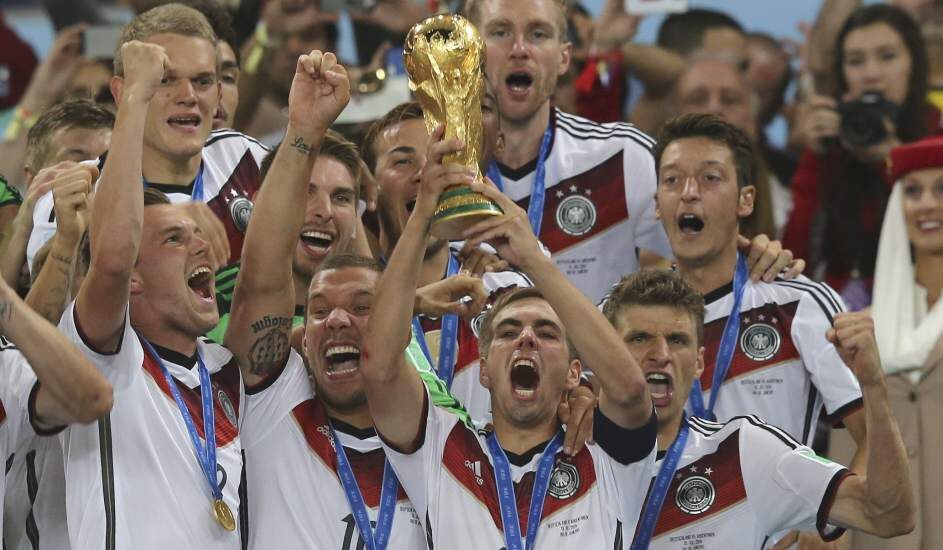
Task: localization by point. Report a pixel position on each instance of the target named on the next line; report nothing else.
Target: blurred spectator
(769, 74)
(658, 66)
(17, 62)
(46, 86)
(908, 324)
(378, 22)
(713, 85)
(838, 190)
(90, 82)
(288, 29)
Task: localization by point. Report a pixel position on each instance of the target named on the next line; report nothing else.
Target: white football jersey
(17, 395)
(783, 369)
(599, 206)
(297, 500)
(34, 503)
(231, 178)
(738, 483)
(134, 480)
(593, 499)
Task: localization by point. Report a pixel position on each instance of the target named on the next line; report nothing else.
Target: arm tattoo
(302, 147)
(271, 347)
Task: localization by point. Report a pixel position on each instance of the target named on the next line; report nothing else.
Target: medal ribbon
(535, 209)
(372, 539)
(511, 524)
(656, 498)
(197, 194)
(206, 455)
(728, 346)
(448, 337)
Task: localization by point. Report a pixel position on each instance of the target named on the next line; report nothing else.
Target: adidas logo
(475, 468)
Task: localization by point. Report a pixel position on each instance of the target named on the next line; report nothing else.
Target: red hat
(926, 153)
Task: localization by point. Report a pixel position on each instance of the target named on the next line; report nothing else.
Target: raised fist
(144, 67)
(319, 92)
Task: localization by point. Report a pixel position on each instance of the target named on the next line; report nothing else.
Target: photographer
(839, 194)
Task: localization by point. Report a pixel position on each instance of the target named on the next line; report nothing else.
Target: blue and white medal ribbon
(656, 497)
(448, 337)
(535, 208)
(511, 523)
(206, 455)
(373, 539)
(728, 346)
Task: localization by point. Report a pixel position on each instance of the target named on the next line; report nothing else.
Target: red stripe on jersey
(602, 185)
(468, 463)
(3, 413)
(777, 317)
(467, 342)
(225, 380)
(722, 470)
(244, 182)
(367, 467)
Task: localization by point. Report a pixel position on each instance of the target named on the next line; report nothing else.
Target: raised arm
(52, 289)
(71, 388)
(624, 396)
(880, 503)
(263, 301)
(394, 389)
(119, 200)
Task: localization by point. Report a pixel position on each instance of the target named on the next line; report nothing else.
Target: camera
(862, 120)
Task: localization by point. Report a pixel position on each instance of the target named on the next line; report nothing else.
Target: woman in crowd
(839, 190)
(908, 324)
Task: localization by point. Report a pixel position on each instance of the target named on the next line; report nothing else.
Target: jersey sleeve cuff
(625, 446)
(826, 531)
(81, 333)
(266, 382)
(837, 418)
(420, 438)
(38, 427)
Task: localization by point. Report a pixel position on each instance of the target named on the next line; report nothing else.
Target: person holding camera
(839, 191)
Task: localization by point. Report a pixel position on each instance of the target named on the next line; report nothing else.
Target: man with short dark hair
(766, 348)
(733, 485)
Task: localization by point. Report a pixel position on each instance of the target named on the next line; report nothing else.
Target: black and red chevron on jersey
(783, 368)
(740, 482)
(599, 205)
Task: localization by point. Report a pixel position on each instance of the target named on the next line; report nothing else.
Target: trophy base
(460, 208)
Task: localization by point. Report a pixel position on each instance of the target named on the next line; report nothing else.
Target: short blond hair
(166, 19)
(471, 9)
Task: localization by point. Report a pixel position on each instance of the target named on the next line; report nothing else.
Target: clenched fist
(144, 67)
(319, 92)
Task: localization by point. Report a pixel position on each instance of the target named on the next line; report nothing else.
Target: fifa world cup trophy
(444, 55)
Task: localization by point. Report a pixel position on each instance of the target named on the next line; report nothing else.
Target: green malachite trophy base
(460, 208)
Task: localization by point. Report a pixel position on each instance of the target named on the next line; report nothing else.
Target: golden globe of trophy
(444, 55)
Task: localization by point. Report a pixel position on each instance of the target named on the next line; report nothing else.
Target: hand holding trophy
(444, 55)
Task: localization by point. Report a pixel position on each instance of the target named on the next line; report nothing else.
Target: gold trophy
(444, 55)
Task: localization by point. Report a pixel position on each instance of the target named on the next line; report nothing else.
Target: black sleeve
(624, 445)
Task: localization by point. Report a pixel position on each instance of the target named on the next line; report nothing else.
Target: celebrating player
(766, 351)
(173, 440)
(753, 475)
(460, 479)
(182, 158)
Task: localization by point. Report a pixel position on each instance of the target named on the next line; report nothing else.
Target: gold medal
(223, 515)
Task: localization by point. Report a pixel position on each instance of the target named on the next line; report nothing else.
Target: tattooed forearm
(302, 147)
(268, 322)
